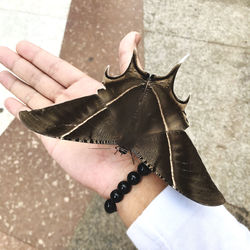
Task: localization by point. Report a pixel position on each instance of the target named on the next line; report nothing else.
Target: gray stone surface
(98, 230)
(223, 22)
(216, 75)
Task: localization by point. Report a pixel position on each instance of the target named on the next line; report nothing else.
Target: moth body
(140, 113)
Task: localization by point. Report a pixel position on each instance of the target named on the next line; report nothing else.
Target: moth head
(134, 70)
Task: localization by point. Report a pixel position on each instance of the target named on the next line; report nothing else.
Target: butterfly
(139, 113)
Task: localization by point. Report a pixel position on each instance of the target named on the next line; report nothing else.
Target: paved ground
(40, 206)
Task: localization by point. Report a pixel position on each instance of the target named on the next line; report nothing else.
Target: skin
(46, 80)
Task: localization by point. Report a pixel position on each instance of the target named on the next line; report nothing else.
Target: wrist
(139, 198)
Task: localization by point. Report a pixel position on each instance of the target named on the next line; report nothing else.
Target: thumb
(127, 45)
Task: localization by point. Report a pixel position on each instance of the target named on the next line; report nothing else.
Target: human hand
(46, 80)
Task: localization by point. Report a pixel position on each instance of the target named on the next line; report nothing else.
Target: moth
(139, 113)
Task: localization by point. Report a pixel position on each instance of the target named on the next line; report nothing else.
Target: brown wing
(176, 160)
(85, 119)
(92, 118)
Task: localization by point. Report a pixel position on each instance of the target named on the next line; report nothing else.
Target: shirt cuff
(172, 221)
(162, 209)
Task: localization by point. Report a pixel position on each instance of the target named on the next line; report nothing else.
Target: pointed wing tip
(218, 202)
(22, 115)
(25, 117)
(177, 66)
(187, 100)
(106, 73)
(216, 198)
(30, 122)
(222, 198)
(184, 58)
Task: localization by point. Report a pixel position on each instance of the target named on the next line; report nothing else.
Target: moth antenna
(100, 148)
(133, 160)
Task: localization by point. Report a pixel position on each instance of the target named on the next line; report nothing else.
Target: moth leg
(117, 149)
(132, 157)
(121, 150)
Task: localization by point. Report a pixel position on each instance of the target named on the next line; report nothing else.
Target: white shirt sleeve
(173, 222)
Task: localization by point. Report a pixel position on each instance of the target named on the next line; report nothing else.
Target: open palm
(46, 80)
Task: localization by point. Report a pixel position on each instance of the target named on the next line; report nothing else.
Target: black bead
(110, 206)
(116, 195)
(133, 178)
(143, 170)
(124, 187)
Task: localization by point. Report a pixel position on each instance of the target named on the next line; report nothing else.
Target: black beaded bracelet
(124, 187)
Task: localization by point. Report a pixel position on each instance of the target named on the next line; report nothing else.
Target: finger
(30, 74)
(55, 67)
(127, 45)
(14, 106)
(79, 89)
(22, 91)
